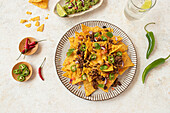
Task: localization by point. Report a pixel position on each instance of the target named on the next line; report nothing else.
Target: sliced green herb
(70, 51)
(96, 34)
(104, 38)
(109, 34)
(97, 46)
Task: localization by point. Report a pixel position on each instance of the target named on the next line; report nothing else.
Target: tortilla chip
(76, 78)
(43, 4)
(23, 21)
(28, 25)
(37, 18)
(109, 83)
(114, 48)
(35, 0)
(88, 87)
(37, 23)
(126, 59)
(123, 48)
(68, 74)
(121, 71)
(116, 39)
(41, 28)
(46, 17)
(29, 13)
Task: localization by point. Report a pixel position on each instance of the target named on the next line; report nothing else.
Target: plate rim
(55, 59)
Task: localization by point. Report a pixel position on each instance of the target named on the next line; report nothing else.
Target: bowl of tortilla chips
(92, 56)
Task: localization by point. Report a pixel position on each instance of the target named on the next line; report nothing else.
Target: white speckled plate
(62, 3)
(98, 95)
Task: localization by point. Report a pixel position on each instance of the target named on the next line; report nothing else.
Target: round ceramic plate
(98, 95)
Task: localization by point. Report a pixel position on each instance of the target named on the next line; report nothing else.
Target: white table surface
(50, 96)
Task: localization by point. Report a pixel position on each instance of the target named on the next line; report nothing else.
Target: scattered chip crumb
(37, 23)
(59, 59)
(29, 13)
(79, 87)
(35, 18)
(41, 28)
(23, 21)
(47, 14)
(46, 17)
(28, 25)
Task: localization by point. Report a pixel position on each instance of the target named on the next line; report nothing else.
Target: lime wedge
(147, 4)
(61, 12)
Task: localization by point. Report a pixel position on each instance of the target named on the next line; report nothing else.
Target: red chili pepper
(26, 45)
(39, 69)
(35, 42)
(24, 51)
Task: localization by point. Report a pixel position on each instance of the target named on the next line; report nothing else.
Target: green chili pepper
(83, 47)
(21, 78)
(96, 34)
(111, 59)
(103, 67)
(22, 66)
(151, 39)
(83, 77)
(119, 53)
(101, 85)
(153, 65)
(17, 71)
(93, 57)
(73, 68)
(26, 72)
(111, 76)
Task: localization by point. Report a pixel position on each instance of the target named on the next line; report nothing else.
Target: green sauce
(74, 6)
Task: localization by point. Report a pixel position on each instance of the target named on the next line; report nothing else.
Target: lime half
(147, 4)
(61, 12)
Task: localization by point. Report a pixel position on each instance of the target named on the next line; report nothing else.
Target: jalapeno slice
(26, 72)
(22, 66)
(103, 67)
(111, 76)
(111, 59)
(101, 85)
(21, 78)
(93, 57)
(83, 47)
(17, 71)
(83, 77)
(119, 53)
(73, 68)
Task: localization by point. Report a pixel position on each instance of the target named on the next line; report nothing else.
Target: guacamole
(74, 6)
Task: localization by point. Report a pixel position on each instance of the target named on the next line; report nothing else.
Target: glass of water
(136, 9)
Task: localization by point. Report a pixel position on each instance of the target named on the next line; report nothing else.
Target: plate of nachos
(96, 60)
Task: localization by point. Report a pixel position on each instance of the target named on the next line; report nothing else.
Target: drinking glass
(134, 10)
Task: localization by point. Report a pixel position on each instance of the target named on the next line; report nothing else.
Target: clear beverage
(134, 10)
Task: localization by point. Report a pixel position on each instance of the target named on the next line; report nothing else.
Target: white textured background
(50, 96)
